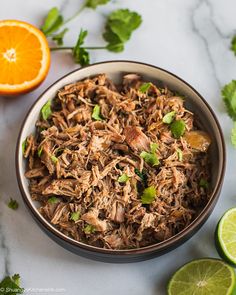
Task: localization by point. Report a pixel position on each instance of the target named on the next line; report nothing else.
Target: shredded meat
(89, 174)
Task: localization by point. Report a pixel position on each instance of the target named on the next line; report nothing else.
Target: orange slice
(24, 57)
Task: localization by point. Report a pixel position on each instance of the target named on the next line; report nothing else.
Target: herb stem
(71, 48)
(76, 14)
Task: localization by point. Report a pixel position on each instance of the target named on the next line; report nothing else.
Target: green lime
(225, 236)
(205, 276)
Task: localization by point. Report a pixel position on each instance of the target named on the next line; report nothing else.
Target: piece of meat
(92, 218)
(117, 212)
(36, 172)
(136, 139)
(198, 140)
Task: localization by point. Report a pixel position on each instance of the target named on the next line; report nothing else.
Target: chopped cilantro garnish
(96, 113)
(40, 150)
(177, 128)
(229, 98)
(233, 135)
(54, 159)
(145, 87)
(53, 200)
(180, 154)
(13, 204)
(11, 285)
(89, 229)
(46, 110)
(24, 145)
(203, 183)
(149, 195)
(75, 216)
(151, 158)
(169, 117)
(123, 178)
(142, 175)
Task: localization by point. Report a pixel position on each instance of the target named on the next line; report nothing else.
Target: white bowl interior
(115, 71)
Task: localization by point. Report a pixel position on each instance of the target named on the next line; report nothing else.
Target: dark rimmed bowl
(195, 102)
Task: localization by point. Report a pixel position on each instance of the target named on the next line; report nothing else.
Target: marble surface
(187, 37)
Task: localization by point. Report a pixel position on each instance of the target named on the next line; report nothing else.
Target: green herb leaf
(233, 44)
(203, 183)
(150, 158)
(53, 200)
(54, 159)
(13, 204)
(89, 229)
(10, 285)
(119, 28)
(142, 175)
(233, 135)
(94, 3)
(58, 38)
(96, 113)
(145, 87)
(169, 117)
(46, 110)
(53, 22)
(75, 216)
(80, 54)
(40, 150)
(229, 98)
(123, 178)
(24, 145)
(149, 195)
(177, 128)
(153, 147)
(180, 155)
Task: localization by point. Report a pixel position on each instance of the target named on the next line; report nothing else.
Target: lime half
(226, 236)
(203, 277)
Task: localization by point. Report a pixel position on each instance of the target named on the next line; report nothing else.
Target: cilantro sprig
(119, 27)
(11, 285)
(13, 204)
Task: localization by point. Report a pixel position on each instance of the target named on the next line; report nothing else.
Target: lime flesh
(226, 236)
(203, 277)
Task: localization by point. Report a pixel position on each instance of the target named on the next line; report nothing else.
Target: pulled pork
(88, 170)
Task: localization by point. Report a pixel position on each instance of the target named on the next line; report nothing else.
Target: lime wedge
(225, 236)
(205, 276)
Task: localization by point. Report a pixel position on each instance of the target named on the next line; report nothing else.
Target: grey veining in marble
(190, 38)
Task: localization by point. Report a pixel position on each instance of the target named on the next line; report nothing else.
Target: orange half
(24, 57)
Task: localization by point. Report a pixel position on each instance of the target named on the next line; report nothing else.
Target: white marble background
(187, 37)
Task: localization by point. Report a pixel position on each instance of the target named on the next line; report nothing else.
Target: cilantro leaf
(53, 200)
(94, 3)
(203, 183)
(96, 113)
(89, 229)
(233, 44)
(24, 145)
(169, 117)
(233, 135)
(123, 178)
(58, 38)
(153, 147)
(229, 98)
(119, 27)
(180, 154)
(75, 216)
(10, 285)
(46, 110)
(149, 195)
(177, 128)
(13, 204)
(40, 150)
(150, 158)
(54, 159)
(53, 21)
(80, 54)
(145, 87)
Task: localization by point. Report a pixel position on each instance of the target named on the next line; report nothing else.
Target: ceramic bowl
(195, 102)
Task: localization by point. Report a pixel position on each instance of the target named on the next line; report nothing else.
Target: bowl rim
(158, 247)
